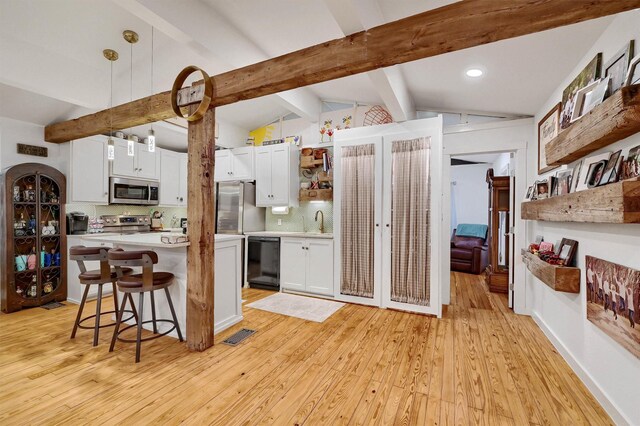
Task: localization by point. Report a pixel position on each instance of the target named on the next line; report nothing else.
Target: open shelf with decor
(617, 118)
(316, 174)
(559, 278)
(613, 203)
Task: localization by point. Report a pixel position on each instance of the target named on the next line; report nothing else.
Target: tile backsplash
(302, 219)
(95, 211)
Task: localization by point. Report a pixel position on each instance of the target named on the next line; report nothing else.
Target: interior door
(263, 176)
(280, 174)
(412, 219)
(511, 229)
(357, 247)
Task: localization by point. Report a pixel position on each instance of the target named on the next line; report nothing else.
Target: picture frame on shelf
(563, 185)
(616, 68)
(539, 239)
(548, 129)
(577, 169)
(567, 251)
(542, 189)
(585, 172)
(530, 193)
(631, 166)
(589, 97)
(610, 170)
(633, 73)
(589, 74)
(594, 175)
(553, 186)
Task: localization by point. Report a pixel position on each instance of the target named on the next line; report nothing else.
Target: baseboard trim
(601, 396)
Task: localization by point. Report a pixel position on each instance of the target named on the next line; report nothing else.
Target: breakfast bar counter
(173, 258)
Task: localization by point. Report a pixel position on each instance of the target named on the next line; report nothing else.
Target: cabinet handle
(180, 198)
(387, 225)
(377, 225)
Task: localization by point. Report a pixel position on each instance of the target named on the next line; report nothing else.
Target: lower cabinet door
(320, 266)
(293, 263)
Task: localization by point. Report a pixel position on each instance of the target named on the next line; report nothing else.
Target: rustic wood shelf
(618, 117)
(316, 194)
(559, 278)
(309, 162)
(614, 203)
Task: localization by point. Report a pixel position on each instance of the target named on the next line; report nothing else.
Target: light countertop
(148, 239)
(289, 234)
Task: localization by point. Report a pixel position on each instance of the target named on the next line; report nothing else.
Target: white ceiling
(52, 56)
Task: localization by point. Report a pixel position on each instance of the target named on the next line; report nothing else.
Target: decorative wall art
(588, 75)
(616, 68)
(613, 301)
(633, 74)
(548, 129)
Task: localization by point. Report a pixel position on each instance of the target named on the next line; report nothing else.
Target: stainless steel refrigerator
(236, 211)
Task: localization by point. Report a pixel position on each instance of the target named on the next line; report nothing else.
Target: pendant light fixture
(151, 138)
(131, 37)
(112, 56)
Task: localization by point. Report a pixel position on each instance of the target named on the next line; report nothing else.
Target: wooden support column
(201, 216)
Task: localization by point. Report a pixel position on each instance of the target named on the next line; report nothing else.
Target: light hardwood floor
(480, 364)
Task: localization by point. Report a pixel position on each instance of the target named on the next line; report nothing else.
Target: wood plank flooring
(479, 364)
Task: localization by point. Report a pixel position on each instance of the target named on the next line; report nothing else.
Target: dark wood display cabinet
(498, 234)
(34, 230)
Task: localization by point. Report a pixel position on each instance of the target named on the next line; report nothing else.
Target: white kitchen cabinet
(74, 288)
(142, 165)
(234, 164)
(173, 178)
(277, 180)
(306, 265)
(89, 171)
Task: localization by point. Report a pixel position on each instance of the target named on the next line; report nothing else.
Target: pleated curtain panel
(410, 208)
(357, 227)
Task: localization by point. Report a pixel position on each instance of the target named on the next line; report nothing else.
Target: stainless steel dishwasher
(263, 263)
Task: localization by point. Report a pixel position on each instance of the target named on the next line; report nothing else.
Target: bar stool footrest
(155, 336)
(105, 325)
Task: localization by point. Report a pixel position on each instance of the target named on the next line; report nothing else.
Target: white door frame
(503, 136)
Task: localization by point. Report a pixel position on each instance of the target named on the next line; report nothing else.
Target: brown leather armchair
(469, 254)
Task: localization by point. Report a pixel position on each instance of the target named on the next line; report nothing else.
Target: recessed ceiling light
(474, 72)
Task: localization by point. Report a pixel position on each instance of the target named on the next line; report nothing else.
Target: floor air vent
(52, 305)
(238, 337)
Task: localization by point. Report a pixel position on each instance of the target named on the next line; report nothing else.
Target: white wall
(501, 167)
(469, 194)
(611, 372)
(13, 132)
(230, 135)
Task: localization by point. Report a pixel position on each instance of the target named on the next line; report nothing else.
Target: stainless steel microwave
(132, 191)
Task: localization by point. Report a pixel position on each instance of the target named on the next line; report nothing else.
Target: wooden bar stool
(147, 281)
(99, 277)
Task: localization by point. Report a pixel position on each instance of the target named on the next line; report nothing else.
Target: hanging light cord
(111, 103)
(152, 67)
(131, 80)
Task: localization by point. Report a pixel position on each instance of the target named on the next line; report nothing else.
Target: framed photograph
(548, 129)
(553, 186)
(631, 166)
(564, 182)
(538, 239)
(529, 195)
(594, 175)
(546, 246)
(616, 68)
(586, 169)
(542, 189)
(576, 175)
(589, 97)
(567, 251)
(610, 170)
(633, 74)
(588, 75)
(612, 298)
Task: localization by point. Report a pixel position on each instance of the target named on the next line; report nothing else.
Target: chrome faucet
(321, 220)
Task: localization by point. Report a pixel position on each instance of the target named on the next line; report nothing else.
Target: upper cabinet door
(89, 154)
(223, 166)
(242, 163)
(123, 164)
(263, 176)
(280, 175)
(169, 178)
(184, 164)
(147, 163)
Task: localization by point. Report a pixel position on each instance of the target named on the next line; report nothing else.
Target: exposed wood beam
(357, 15)
(201, 213)
(450, 28)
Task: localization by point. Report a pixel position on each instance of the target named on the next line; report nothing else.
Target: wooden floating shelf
(316, 194)
(309, 162)
(559, 278)
(617, 118)
(614, 203)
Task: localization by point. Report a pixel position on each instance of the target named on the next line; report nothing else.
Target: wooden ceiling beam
(450, 28)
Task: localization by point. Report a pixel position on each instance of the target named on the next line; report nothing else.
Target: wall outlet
(279, 222)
